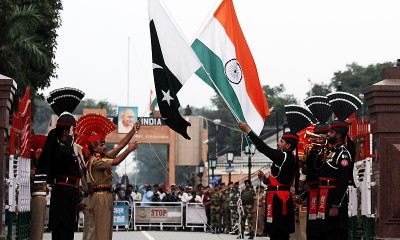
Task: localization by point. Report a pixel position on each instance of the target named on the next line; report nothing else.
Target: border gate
(18, 172)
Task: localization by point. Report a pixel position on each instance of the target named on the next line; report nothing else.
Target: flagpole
(127, 89)
(207, 19)
(219, 92)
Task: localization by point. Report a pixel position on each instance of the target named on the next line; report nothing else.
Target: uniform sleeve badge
(344, 162)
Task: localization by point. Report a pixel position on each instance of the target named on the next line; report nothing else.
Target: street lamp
(250, 151)
(216, 122)
(201, 171)
(361, 96)
(286, 127)
(212, 163)
(229, 159)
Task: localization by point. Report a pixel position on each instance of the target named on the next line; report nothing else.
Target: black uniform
(314, 163)
(283, 170)
(65, 192)
(334, 179)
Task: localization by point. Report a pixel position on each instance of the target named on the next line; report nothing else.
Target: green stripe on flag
(213, 64)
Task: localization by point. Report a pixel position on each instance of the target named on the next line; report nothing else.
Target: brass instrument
(312, 135)
(309, 134)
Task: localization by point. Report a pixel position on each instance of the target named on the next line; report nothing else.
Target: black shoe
(240, 236)
(251, 235)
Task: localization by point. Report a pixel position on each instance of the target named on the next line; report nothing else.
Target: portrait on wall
(127, 116)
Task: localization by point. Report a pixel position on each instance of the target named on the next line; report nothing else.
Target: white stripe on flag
(225, 50)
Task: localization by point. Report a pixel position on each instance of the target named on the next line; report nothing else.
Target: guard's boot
(251, 235)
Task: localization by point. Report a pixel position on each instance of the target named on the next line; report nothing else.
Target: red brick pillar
(383, 101)
(7, 90)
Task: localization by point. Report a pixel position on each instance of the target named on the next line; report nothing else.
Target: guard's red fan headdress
(93, 127)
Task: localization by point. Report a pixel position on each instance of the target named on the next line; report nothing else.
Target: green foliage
(319, 89)
(277, 98)
(42, 115)
(92, 103)
(356, 78)
(152, 164)
(228, 134)
(28, 42)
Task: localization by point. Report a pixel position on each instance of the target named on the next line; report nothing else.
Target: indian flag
(229, 67)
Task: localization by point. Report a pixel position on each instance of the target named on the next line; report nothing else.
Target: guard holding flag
(279, 203)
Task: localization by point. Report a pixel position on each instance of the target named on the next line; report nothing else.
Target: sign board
(216, 180)
(158, 214)
(121, 215)
(152, 121)
(230, 169)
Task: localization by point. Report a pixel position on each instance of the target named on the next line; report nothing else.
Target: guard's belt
(97, 189)
(327, 183)
(278, 188)
(39, 194)
(68, 181)
(312, 185)
(40, 178)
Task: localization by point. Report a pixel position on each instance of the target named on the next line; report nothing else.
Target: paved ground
(162, 235)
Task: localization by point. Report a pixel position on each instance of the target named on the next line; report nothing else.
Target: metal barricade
(157, 214)
(122, 216)
(196, 216)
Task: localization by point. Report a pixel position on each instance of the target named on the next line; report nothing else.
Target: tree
(28, 42)
(42, 115)
(319, 89)
(277, 98)
(92, 103)
(229, 134)
(356, 78)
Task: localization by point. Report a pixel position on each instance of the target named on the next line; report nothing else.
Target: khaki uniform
(259, 217)
(38, 209)
(102, 203)
(88, 218)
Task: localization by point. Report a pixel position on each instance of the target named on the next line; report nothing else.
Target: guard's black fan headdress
(63, 101)
(322, 111)
(298, 118)
(343, 105)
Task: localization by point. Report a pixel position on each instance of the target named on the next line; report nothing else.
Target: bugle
(309, 134)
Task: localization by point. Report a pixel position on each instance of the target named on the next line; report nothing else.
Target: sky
(104, 46)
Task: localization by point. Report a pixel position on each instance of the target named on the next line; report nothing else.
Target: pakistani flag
(173, 64)
(230, 68)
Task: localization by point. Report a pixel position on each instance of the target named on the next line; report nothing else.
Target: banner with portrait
(127, 116)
